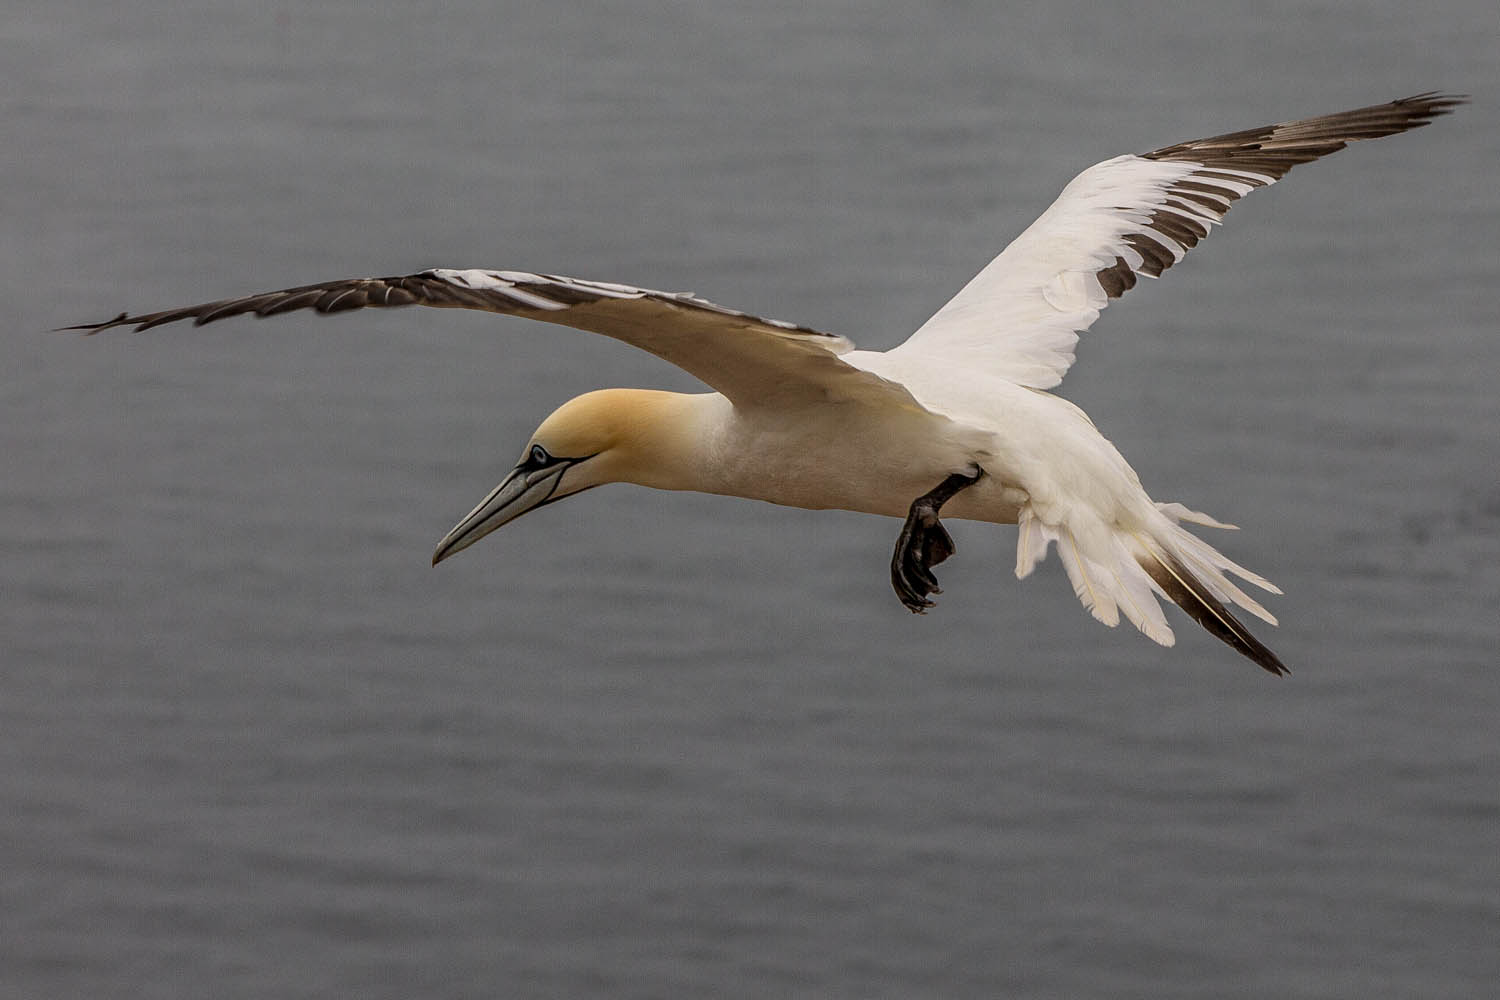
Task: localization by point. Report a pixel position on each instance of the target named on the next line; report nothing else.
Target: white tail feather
(1216, 558)
(1031, 546)
(1090, 592)
(1176, 512)
(1136, 592)
(1206, 563)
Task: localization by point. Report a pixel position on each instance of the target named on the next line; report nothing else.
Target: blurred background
(650, 745)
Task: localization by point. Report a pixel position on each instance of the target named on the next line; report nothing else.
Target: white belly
(851, 458)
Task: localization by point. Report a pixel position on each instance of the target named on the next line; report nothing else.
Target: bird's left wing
(751, 360)
(1020, 317)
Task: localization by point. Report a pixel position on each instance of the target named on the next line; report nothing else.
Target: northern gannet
(956, 420)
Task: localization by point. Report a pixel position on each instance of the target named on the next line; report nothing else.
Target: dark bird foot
(924, 543)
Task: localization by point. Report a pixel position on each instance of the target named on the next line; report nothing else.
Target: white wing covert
(1132, 215)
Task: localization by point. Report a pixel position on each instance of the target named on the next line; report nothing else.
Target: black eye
(538, 456)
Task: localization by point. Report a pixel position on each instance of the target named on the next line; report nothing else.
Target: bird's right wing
(1020, 317)
(751, 360)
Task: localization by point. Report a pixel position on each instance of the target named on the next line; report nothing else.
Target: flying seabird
(958, 420)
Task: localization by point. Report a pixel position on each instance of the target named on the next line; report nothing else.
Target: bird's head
(607, 436)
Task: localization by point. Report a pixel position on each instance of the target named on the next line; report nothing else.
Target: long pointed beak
(520, 492)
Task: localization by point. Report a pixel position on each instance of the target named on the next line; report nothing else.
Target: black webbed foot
(924, 543)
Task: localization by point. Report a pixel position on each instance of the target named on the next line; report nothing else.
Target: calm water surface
(663, 746)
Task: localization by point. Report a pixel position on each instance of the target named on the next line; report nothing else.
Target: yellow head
(608, 436)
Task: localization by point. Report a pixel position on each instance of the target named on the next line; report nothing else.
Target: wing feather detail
(749, 359)
(1129, 216)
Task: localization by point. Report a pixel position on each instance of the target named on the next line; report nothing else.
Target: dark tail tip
(1189, 594)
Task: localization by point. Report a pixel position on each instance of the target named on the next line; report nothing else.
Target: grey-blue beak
(523, 490)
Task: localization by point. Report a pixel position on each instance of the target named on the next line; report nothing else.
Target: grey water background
(650, 745)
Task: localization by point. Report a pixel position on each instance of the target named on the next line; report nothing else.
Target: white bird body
(958, 419)
(840, 456)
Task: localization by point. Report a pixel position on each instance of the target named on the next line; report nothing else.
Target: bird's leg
(924, 543)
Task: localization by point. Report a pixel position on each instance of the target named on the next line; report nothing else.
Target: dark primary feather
(1275, 149)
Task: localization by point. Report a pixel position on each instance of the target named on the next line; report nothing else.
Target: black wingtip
(93, 328)
(1433, 104)
(1440, 100)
